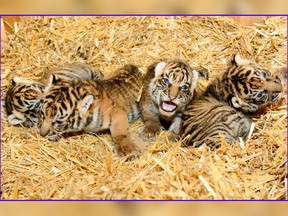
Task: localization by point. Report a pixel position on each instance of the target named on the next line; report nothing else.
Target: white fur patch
(176, 125)
(159, 68)
(239, 61)
(85, 104)
(14, 120)
(50, 83)
(195, 80)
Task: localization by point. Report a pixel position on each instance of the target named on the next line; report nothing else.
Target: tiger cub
(24, 97)
(22, 101)
(92, 106)
(168, 88)
(222, 109)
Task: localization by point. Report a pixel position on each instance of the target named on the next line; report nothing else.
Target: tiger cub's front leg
(152, 124)
(120, 133)
(175, 128)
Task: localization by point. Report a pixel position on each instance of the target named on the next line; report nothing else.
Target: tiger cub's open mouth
(168, 106)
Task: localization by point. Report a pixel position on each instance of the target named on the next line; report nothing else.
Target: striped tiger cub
(222, 109)
(24, 97)
(168, 88)
(22, 101)
(92, 106)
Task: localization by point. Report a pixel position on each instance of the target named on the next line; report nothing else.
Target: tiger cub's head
(23, 101)
(172, 85)
(64, 105)
(247, 87)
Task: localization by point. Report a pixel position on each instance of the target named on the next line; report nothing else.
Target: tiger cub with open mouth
(167, 90)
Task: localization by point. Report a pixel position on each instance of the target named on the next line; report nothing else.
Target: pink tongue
(168, 106)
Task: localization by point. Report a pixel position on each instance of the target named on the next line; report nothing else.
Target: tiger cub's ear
(202, 72)
(37, 86)
(20, 81)
(159, 68)
(235, 102)
(53, 79)
(85, 104)
(237, 60)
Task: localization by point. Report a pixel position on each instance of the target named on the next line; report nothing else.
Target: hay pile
(88, 167)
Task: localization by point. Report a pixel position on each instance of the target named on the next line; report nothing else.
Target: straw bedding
(88, 167)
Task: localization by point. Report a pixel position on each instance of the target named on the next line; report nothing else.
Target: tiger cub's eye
(264, 74)
(166, 81)
(37, 105)
(260, 94)
(184, 87)
(59, 122)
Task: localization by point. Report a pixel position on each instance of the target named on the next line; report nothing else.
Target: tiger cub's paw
(127, 147)
(54, 138)
(173, 137)
(28, 124)
(148, 136)
(149, 133)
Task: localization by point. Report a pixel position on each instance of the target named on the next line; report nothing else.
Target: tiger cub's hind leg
(120, 133)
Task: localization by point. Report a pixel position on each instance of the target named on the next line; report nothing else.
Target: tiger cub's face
(64, 106)
(248, 87)
(173, 86)
(23, 101)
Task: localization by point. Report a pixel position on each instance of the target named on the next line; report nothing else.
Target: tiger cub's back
(124, 87)
(70, 71)
(206, 119)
